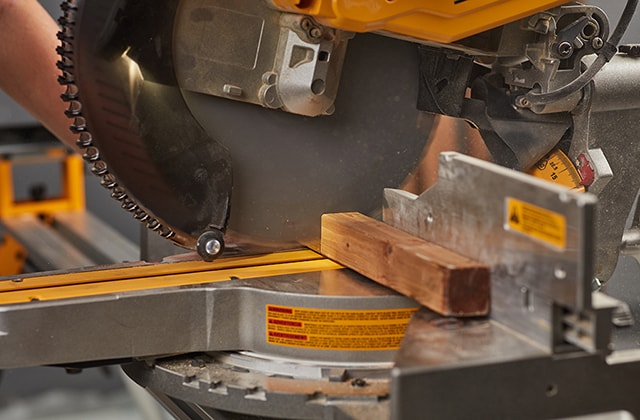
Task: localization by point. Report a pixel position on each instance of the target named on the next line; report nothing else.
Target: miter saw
(146, 94)
(237, 124)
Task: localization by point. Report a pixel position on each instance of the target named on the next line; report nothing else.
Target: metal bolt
(560, 273)
(17, 280)
(596, 284)
(270, 78)
(213, 247)
(210, 244)
(597, 43)
(565, 49)
(270, 97)
(315, 33)
(232, 90)
(522, 102)
(306, 24)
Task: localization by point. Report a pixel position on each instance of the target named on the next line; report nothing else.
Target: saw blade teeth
(108, 181)
(118, 193)
(141, 215)
(66, 78)
(64, 48)
(167, 233)
(72, 94)
(91, 154)
(84, 140)
(69, 5)
(79, 125)
(129, 206)
(99, 168)
(154, 225)
(62, 37)
(74, 109)
(68, 18)
(64, 63)
(67, 32)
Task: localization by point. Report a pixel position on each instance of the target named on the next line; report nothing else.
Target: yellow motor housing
(443, 21)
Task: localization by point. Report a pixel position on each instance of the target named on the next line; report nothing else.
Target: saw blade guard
(166, 152)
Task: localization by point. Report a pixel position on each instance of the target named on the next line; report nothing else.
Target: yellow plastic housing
(72, 198)
(443, 21)
(12, 256)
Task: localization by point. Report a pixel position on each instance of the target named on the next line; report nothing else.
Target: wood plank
(437, 278)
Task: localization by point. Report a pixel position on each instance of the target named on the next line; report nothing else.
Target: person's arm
(28, 71)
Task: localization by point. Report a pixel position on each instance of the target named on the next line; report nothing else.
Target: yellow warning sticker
(537, 222)
(323, 329)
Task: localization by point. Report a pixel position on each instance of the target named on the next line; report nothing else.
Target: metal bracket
(536, 237)
(71, 199)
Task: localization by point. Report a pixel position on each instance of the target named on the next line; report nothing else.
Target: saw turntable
(476, 159)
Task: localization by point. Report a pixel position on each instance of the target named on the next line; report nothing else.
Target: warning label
(537, 222)
(323, 329)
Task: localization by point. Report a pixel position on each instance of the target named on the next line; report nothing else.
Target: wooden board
(437, 278)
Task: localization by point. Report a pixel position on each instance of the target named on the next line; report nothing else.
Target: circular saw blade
(288, 169)
(171, 156)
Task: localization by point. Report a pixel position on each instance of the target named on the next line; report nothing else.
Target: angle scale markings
(556, 167)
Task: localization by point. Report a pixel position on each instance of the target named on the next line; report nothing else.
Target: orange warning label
(537, 222)
(323, 329)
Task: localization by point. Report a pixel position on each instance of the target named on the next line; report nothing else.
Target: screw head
(565, 49)
(522, 102)
(315, 33)
(597, 43)
(213, 247)
(210, 245)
